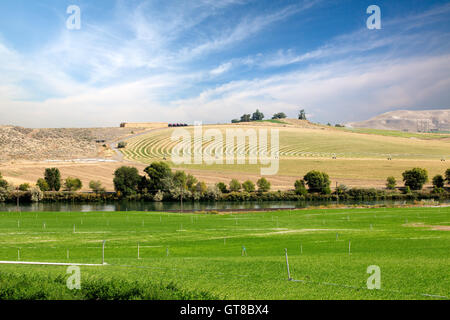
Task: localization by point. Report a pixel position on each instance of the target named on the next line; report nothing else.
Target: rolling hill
(407, 120)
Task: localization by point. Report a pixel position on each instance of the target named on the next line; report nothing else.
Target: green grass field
(205, 254)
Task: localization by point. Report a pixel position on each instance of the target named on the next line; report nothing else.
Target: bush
(300, 188)
(121, 145)
(201, 187)
(96, 186)
(72, 184)
(24, 187)
(3, 182)
(248, 186)
(438, 190)
(438, 181)
(53, 178)
(318, 182)
(235, 185)
(447, 175)
(42, 185)
(391, 183)
(341, 189)
(415, 178)
(159, 196)
(36, 195)
(263, 185)
(222, 187)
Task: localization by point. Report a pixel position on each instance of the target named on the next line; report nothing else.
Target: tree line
(160, 182)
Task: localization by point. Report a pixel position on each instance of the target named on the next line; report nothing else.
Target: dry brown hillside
(48, 144)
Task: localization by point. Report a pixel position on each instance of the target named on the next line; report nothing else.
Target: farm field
(202, 253)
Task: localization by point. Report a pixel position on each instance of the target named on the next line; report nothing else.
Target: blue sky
(211, 60)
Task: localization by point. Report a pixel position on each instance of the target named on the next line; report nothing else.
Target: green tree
(42, 185)
(160, 174)
(245, 118)
(53, 178)
(300, 188)
(302, 114)
(447, 175)
(257, 115)
(201, 187)
(317, 182)
(222, 187)
(263, 185)
(415, 178)
(235, 185)
(438, 181)
(191, 181)
(96, 186)
(126, 180)
(279, 115)
(248, 186)
(72, 184)
(391, 183)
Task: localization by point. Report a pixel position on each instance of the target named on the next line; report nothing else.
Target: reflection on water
(175, 206)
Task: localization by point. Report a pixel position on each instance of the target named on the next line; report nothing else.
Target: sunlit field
(201, 255)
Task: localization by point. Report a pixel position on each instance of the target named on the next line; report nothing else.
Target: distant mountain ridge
(408, 120)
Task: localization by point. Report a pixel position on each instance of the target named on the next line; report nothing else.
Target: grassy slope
(412, 260)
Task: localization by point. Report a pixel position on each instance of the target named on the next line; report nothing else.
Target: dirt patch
(422, 225)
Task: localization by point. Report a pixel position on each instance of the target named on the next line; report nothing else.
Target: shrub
(121, 144)
(391, 183)
(96, 186)
(263, 185)
(438, 190)
(3, 182)
(213, 193)
(36, 195)
(126, 180)
(447, 175)
(300, 188)
(3, 194)
(53, 178)
(159, 196)
(222, 187)
(438, 181)
(72, 184)
(415, 178)
(42, 185)
(407, 190)
(235, 185)
(341, 189)
(201, 187)
(318, 182)
(248, 186)
(24, 187)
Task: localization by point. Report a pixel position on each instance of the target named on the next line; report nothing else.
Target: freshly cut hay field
(205, 253)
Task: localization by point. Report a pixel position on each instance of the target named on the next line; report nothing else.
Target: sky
(212, 60)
